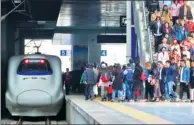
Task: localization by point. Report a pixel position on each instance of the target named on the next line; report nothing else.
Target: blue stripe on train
(34, 73)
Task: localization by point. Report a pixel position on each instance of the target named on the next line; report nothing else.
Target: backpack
(129, 76)
(143, 76)
(105, 78)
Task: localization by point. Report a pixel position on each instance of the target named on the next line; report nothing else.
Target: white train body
(34, 85)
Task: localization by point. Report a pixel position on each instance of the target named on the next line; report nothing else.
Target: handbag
(153, 81)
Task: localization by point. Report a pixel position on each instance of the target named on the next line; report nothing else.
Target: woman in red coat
(174, 54)
(190, 26)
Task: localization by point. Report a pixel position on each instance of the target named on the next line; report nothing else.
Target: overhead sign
(68, 52)
(63, 53)
(103, 53)
(123, 21)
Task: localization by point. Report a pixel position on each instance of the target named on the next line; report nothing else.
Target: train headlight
(42, 61)
(26, 61)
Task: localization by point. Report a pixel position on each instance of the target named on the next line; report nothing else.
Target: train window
(34, 67)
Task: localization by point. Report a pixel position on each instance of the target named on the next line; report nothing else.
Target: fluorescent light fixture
(17, 1)
(41, 22)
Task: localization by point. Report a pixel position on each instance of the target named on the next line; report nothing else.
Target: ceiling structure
(91, 13)
(33, 10)
(69, 14)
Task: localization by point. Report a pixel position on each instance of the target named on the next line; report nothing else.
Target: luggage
(64, 89)
(192, 94)
(95, 89)
(143, 76)
(124, 92)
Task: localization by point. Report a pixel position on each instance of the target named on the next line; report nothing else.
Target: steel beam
(4, 16)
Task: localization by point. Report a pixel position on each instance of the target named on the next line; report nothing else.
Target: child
(110, 92)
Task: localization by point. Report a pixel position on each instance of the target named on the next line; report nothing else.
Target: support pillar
(94, 50)
(128, 32)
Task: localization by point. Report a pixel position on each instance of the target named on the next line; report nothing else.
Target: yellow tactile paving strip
(134, 113)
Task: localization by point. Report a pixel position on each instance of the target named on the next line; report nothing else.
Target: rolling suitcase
(124, 92)
(192, 94)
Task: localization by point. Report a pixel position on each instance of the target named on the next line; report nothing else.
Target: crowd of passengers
(173, 31)
(156, 82)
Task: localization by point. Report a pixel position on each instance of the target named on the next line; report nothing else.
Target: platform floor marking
(137, 114)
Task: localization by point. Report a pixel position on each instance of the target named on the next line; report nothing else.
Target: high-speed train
(34, 85)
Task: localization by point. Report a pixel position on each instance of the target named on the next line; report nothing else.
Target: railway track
(47, 122)
(22, 121)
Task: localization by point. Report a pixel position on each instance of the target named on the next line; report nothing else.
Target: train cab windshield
(34, 67)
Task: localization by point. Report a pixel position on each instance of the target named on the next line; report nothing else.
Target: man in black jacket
(138, 83)
(185, 12)
(161, 77)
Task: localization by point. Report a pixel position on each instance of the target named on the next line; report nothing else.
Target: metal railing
(146, 24)
(144, 14)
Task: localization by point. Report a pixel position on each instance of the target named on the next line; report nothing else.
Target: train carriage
(34, 85)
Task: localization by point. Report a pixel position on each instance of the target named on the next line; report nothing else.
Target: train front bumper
(44, 107)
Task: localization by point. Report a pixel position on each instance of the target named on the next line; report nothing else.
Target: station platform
(97, 112)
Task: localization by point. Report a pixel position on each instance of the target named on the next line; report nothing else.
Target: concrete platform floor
(137, 113)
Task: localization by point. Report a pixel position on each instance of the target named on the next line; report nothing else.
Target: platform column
(94, 50)
(128, 32)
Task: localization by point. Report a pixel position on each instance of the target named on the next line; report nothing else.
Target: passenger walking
(185, 14)
(117, 84)
(174, 55)
(184, 57)
(164, 44)
(175, 10)
(129, 81)
(83, 82)
(67, 81)
(104, 81)
(192, 82)
(175, 66)
(166, 14)
(169, 82)
(182, 33)
(163, 55)
(156, 28)
(159, 83)
(138, 82)
(90, 80)
(161, 75)
(95, 88)
(110, 91)
(155, 15)
(184, 79)
(124, 70)
(176, 46)
(149, 89)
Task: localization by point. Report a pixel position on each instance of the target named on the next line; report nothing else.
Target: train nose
(34, 98)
